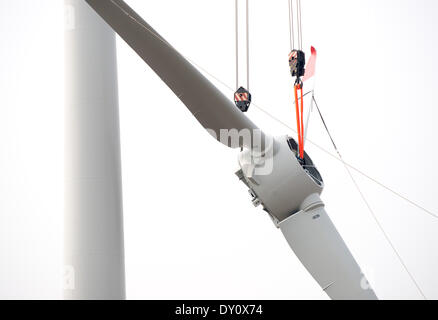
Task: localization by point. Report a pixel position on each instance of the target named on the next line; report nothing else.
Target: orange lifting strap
(299, 108)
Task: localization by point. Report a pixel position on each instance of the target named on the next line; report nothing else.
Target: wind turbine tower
(94, 249)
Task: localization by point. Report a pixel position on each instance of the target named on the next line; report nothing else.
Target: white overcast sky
(190, 228)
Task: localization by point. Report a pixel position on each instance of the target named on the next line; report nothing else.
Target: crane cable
(291, 26)
(297, 62)
(247, 44)
(300, 27)
(236, 11)
(242, 96)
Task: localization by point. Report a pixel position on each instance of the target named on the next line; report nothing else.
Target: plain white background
(190, 228)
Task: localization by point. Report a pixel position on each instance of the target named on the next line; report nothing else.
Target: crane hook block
(242, 99)
(297, 62)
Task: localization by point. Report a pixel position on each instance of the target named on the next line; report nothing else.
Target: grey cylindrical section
(284, 187)
(211, 108)
(94, 250)
(316, 242)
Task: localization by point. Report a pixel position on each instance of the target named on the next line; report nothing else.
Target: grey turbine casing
(290, 193)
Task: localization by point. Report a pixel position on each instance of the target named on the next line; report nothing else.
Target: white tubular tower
(94, 249)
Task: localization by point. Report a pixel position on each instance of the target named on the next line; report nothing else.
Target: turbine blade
(210, 107)
(318, 245)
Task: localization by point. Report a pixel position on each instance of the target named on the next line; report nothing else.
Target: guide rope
(374, 216)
